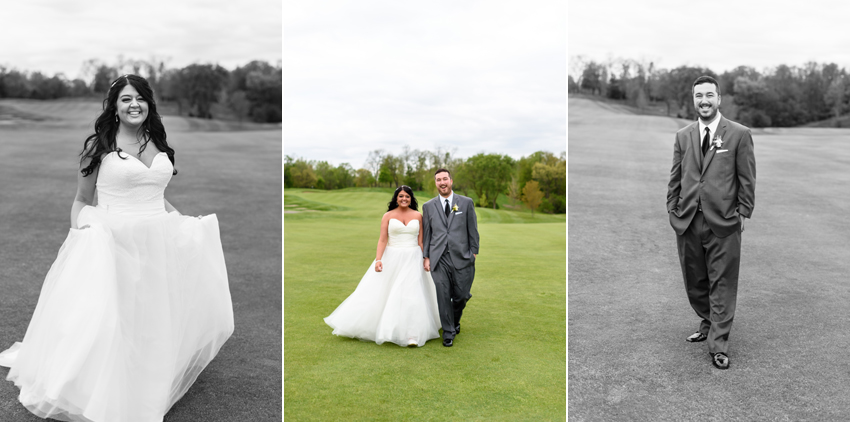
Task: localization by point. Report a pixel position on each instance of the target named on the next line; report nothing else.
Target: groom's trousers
(453, 286)
(710, 268)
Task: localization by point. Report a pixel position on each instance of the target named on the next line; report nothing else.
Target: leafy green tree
(488, 175)
(14, 84)
(750, 97)
(592, 78)
(262, 84)
(679, 89)
(303, 175)
(78, 88)
(835, 95)
(338, 177)
(525, 165)
(238, 102)
(287, 176)
(384, 176)
(103, 75)
(200, 85)
(265, 94)
(391, 170)
(513, 193)
(364, 179)
(532, 196)
(552, 178)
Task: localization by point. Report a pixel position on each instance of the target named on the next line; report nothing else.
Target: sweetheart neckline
(402, 222)
(139, 160)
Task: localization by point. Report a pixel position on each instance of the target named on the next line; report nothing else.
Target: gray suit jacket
(724, 181)
(458, 232)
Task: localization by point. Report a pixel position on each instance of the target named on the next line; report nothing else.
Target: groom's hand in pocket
(427, 264)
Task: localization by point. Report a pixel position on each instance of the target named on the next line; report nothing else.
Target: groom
(710, 193)
(450, 236)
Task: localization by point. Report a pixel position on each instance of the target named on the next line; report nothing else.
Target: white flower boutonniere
(454, 208)
(717, 143)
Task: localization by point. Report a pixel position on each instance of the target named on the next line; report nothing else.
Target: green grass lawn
(628, 310)
(507, 364)
(235, 175)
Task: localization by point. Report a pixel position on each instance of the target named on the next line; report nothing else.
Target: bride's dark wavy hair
(105, 127)
(394, 203)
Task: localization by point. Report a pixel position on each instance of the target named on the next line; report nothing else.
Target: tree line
(782, 96)
(538, 180)
(251, 92)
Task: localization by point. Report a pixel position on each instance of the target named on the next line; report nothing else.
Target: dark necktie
(447, 208)
(705, 142)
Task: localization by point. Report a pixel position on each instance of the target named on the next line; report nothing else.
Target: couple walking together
(421, 278)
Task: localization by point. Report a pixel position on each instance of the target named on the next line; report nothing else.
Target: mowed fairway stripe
(507, 364)
(628, 311)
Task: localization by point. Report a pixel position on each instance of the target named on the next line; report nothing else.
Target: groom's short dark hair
(443, 171)
(705, 79)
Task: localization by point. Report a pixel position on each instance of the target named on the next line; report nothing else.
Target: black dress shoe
(448, 342)
(720, 360)
(457, 329)
(696, 337)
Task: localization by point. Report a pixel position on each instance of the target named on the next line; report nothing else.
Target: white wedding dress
(132, 310)
(398, 304)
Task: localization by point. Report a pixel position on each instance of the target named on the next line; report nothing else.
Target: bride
(396, 300)
(137, 302)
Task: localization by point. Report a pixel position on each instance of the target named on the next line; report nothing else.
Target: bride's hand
(378, 266)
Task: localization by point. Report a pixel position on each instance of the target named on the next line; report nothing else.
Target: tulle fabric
(398, 304)
(131, 311)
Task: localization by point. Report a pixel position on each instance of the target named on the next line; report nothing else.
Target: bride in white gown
(137, 302)
(396, 300)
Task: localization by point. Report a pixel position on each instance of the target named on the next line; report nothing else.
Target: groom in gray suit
(450, 236)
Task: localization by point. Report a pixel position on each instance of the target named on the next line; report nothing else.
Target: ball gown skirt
(398, 304)
(132, 310)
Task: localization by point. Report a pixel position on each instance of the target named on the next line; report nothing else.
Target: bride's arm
(85, 192)
(169, 207)
(382, 242)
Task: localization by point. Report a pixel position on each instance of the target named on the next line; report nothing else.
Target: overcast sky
(471, 76)
(720, 34)
(57, 36)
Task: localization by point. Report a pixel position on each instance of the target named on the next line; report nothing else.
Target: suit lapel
(697, 153)
(721, 130)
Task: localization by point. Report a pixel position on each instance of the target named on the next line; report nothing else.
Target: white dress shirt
(712, 128)
(443, 201)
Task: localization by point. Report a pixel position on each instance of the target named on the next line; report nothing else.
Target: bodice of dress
(403, 236)
(127, 186)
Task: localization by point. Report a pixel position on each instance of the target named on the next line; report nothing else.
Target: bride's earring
(116, 118)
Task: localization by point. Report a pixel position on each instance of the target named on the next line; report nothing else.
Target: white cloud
(55, 36)
(721, 34)
(476, 76)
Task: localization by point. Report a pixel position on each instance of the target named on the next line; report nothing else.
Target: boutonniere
(454, 208)
(717, 143)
